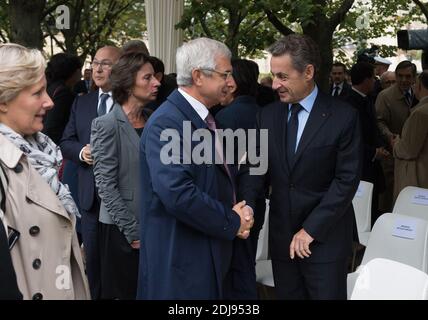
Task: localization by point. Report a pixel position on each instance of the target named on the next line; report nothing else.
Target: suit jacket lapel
(125, 126)
(319, 114)
(181, 103)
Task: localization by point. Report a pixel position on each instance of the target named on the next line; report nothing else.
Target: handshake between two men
(247, 219)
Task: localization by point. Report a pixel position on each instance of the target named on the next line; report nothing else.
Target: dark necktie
(210, 121)
(408, 97)
(103, 104)
(292, 127)
(336, 91)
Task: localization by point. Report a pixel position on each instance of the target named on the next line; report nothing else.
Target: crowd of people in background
(89, 211)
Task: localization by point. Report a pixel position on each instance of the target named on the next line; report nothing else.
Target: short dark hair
(339, 64)
(406, 64)
(255, 67)
(245, 77)
(361, 71)
(62, 66)
(302, 50)
(157, 64)
(135, 45)
(423, 79)
(124, 73)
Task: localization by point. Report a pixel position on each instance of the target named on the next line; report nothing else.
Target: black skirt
(119, 265)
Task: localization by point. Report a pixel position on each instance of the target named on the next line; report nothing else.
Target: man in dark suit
(75, 147)
(363, 80)
(340, 88)
(189, 216)
(314, 167)
(84, 86)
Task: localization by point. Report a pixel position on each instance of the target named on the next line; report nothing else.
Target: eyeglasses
(224, 74)
(104, 65)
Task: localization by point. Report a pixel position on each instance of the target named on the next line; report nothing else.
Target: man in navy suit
(75, 147)
(189, 216)
(314, 169)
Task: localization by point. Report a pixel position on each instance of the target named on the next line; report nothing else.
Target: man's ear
(197, 77)
(309, 72)
(3, 107)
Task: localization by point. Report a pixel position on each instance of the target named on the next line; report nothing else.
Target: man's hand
(381, 153)
(300, 244)
(135, 244)
(394, 140)
(86, 155)
(247, 219)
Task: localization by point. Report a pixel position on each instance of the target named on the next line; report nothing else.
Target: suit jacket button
(18, 168)
(291, 186)
(38, 296)
(37, 263)
(34, 231)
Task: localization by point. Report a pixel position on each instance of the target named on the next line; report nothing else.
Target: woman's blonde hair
(20, 68)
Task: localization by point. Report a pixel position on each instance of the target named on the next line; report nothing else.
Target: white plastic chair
(264, 274)
(405, 203)
(362, 203)
(263, 242)
(384, 279)
(384, 244)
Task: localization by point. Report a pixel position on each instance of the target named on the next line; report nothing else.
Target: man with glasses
(75, 147)
(189, 214)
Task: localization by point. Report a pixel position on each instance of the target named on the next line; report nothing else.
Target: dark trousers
(302, 280)
(119, 272)
(90, 237)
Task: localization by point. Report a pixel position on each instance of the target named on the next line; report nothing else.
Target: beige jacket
(411, 151)
(47, 257)
(392, 111)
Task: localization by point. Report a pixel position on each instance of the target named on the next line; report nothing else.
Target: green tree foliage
(240, 24)
(248, 26)
(93, 23)
(378, 18)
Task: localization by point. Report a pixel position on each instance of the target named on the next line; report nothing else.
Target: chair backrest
(384, 279)
(263, 242)
(362, 203)
(400, 238)
(412, 201)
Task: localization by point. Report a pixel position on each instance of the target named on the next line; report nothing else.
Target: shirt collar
(308, 102)
(359, 92)
(340, 85)
(199, 107)
(100, 92)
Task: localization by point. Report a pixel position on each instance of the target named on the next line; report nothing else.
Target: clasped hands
(247, 219)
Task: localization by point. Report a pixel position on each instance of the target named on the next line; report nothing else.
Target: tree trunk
(70, 35)
(324, 38)
(25, 22)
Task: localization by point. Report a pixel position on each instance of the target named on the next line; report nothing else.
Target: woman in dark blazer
(115, 150)
(240, 113)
